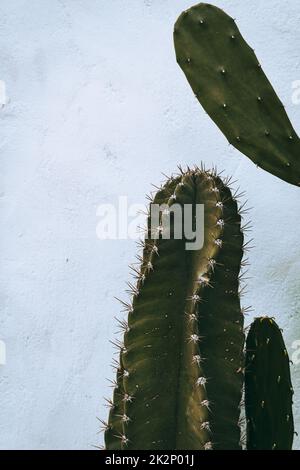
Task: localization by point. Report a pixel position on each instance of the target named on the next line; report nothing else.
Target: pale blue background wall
(97, 107)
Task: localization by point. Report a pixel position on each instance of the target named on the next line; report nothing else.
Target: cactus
(180, 378)
(180, 373)
(229, 82)
(268, 388)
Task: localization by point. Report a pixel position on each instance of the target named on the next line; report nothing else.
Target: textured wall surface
(96, 107)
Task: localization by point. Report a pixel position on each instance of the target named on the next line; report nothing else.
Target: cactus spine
(179, 382)
(268, 388)
(229, 82)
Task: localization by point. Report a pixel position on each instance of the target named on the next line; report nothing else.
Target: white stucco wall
(96, 107)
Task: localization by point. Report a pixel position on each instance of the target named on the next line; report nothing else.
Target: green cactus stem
(180, 378)
(229, 82)
(268, 388)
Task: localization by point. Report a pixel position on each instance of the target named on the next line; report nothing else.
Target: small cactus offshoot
(268, 388)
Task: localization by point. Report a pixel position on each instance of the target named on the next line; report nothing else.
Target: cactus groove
(268, 389)
(229, 82)
(179, 382)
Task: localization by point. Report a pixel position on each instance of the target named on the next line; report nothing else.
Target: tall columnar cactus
(268, 388)
(180, 377)
(229, 82)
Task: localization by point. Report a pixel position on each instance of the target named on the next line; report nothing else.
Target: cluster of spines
(116, 430)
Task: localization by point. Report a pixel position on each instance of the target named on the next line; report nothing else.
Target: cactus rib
(182, 352)
(268, 388)
(229, 82)
(114, 428)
